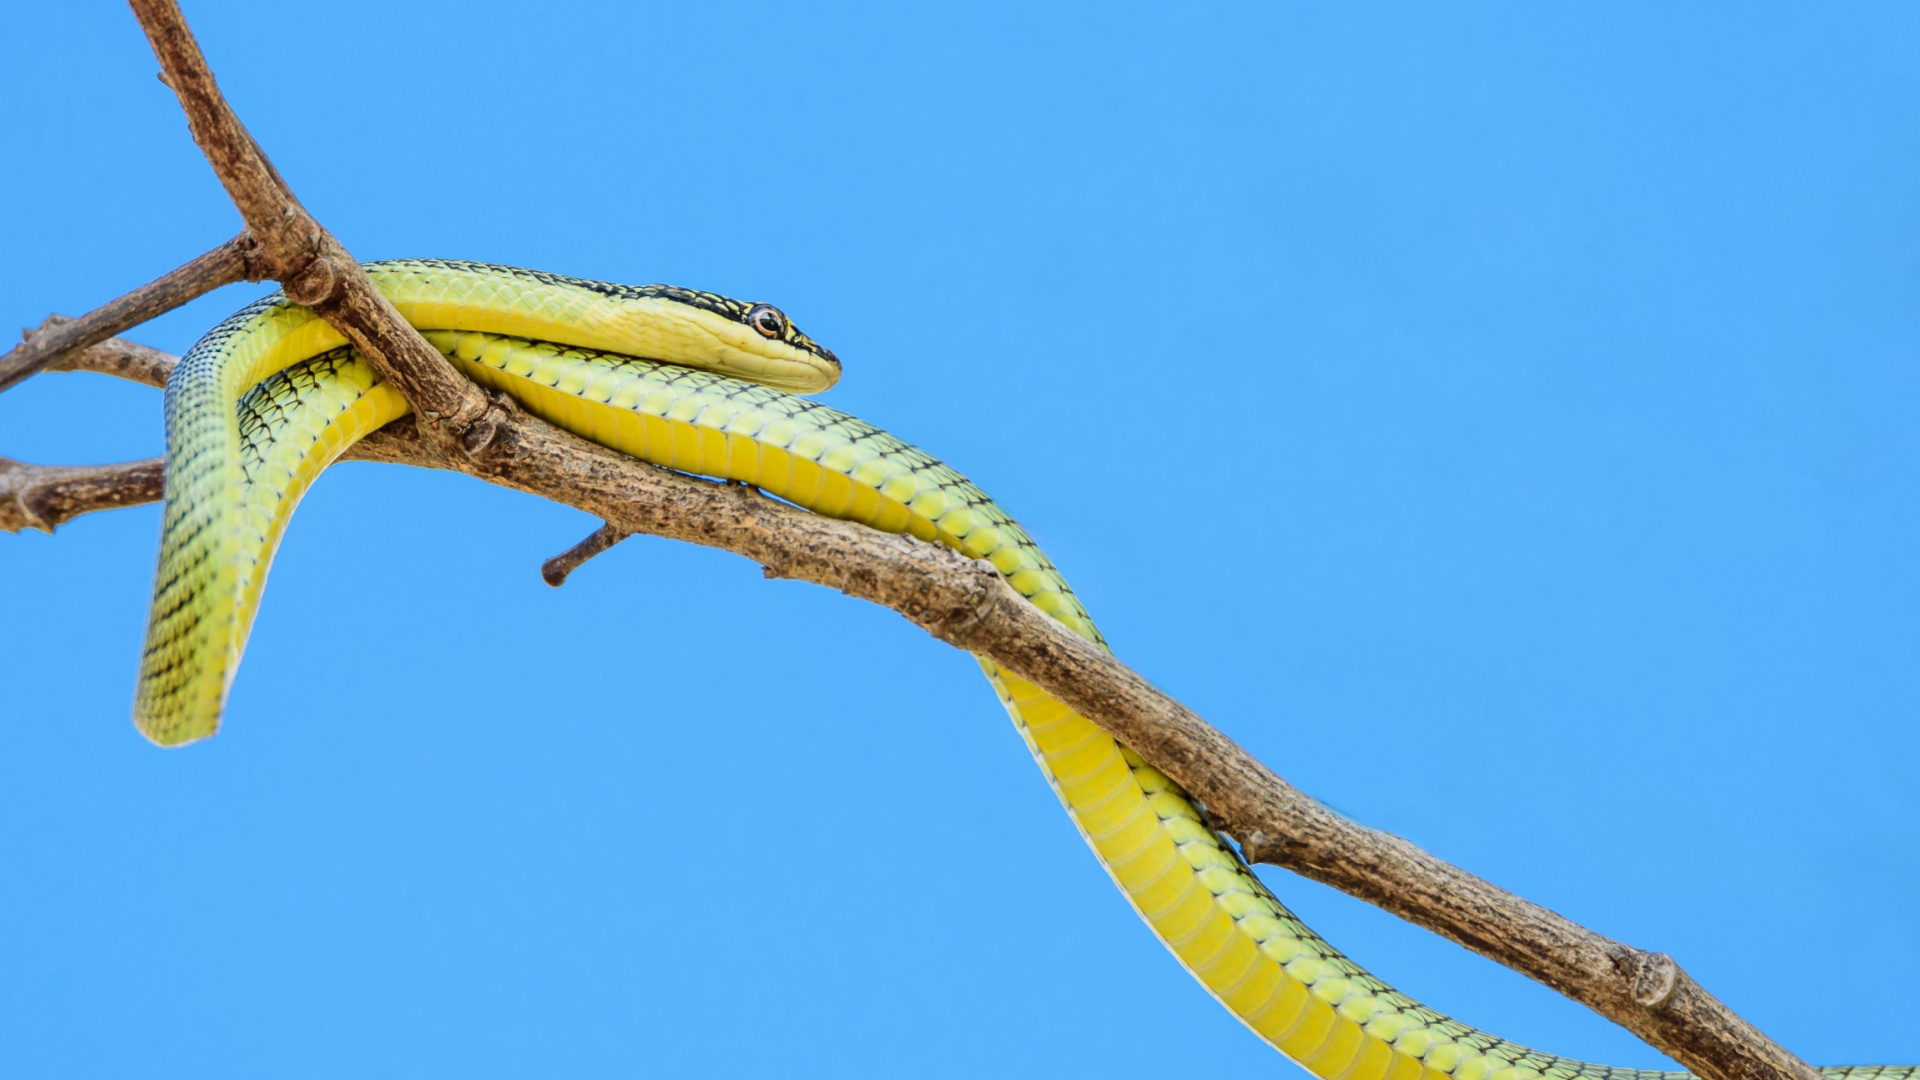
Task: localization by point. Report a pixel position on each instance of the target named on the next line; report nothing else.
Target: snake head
(772, 323)
(750, 341)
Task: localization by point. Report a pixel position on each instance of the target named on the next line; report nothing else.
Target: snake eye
(767, 319)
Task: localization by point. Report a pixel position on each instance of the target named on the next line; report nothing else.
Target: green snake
(697, 382)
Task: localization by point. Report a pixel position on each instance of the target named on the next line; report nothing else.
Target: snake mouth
(799, 378)
(818, 371)
(808, 374)
(802, 343)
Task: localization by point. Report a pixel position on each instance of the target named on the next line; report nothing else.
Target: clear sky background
(1499, 417)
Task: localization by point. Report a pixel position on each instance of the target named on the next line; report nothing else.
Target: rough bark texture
(956, 599)
(122, 359)
(46, 496)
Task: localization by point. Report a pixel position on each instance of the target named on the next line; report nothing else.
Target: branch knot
(959, 625)
(484, 431)
(314, 284)
(1257, 845)
(1654, 977)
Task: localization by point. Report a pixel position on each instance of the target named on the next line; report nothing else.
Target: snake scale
(698, 382)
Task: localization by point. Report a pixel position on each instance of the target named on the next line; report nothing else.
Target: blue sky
(1500, 418)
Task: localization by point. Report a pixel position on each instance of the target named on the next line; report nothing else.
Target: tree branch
(967, 604)
(122, 359)
(292, 248)
(58, 335)
(46, 496)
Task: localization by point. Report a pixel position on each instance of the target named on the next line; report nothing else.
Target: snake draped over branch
(704, 384)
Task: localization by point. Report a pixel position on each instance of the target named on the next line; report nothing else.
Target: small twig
(122, 359)
(45, 497)
(312, 266)
(555, 570)
(57, 336)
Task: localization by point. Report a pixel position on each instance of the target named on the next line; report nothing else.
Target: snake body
(271, 396)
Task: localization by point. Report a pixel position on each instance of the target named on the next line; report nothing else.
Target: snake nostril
(830, 358)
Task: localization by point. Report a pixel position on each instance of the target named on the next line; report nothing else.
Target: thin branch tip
(555, 570)
(58, 336)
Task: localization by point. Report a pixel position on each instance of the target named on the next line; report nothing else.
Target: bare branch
(58, 335)
(555, 570)
(293, 248)
(122, 359)
(46, 496)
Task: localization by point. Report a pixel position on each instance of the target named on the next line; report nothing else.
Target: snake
(707, 385)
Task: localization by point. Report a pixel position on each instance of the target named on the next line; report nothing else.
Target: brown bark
(122, 359)
(46, 496)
